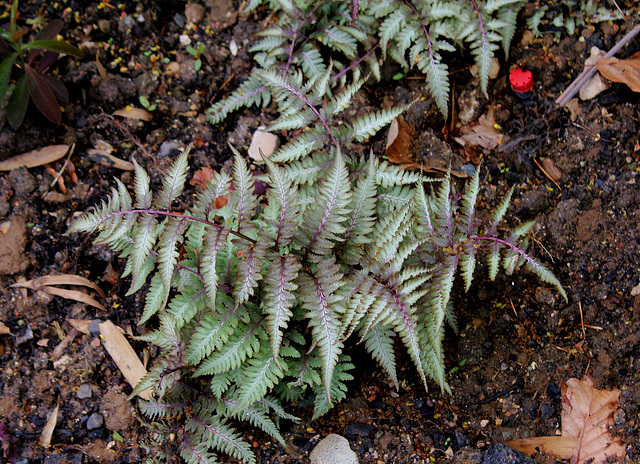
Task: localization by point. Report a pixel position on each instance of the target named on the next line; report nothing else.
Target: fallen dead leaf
(35, 157)
(587, 414)
(102, 154)
(130, 112)
(124, 356)
(623, 71)
(201, 177)
(483, 134)
(595, 85)
(45, 283)
(81, 325)
(47, 431)
(399, 141)
(4, 330)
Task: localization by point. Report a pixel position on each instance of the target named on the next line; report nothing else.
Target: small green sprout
(196, 54)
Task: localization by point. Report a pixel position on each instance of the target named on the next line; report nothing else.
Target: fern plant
(257, 301)
(360, 36)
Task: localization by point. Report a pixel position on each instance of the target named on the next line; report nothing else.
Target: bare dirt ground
(518, 339)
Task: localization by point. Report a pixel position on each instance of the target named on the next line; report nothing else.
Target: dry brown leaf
(482, 134)
(134, 113)
(624, 71)
(124, 356)
(47, 431)
(4, 330)
(587, 414)
(202, 176)
(81, 325)
(560, 447)
(45, 283)
(107, 159)
(35, 157)
(399, 141)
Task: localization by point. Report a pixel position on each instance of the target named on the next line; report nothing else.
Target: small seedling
(196, 54)
(32, 59)
(146, 104)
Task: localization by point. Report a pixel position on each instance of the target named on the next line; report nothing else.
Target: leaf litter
(587, 415)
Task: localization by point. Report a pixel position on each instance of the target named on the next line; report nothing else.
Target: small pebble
(95, 421)
(333, 449)
(265, 141)
(233, 47)
(94, 327)
(84, 391)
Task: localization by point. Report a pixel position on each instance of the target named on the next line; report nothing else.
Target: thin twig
(591, 69)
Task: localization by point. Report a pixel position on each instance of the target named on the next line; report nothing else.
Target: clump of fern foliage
(255, 302)
(360, 35)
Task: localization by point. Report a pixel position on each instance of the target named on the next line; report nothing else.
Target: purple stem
(354, 64)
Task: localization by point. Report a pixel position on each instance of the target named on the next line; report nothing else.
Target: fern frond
(367, 125)
(194, 452)
(251, 92)
(171, 237)
(323, 222)
(338, 389)
(210, 335)
(279, 297)
(242, 345)
(245, 200)
(319, 299)
(283, 205)
(379, 342)
(248, 270)
(174, 181)
(261, 376)
(301, 146)
(215, 433)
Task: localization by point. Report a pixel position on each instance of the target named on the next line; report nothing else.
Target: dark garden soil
(518, 341)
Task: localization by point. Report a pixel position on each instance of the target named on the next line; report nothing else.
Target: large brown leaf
(624, 71)
(587, 414)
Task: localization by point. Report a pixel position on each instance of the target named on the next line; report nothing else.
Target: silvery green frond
(363, 207)
(144, 239)
(324, 221)
(338, 389)
(308, 169)
(279, 297)
(499, 212)
(388, 175)
(319, 299)
(213, 433)
(311, 61)
(301, 146)
(251, 92)
(367, 125)
(283, 207)
(248, 269)
(171, 238)
(245, 201)
(379, 342)
(240, 346)
(262, 374)
(212, 332)
(174, 181)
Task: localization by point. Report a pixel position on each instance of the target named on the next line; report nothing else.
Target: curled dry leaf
(45, 284)
(134, 113)
(35, 157)
(483, 134)
(4, 330)
(123, 355)
(587, 414)
(624, 71)
(47, 431)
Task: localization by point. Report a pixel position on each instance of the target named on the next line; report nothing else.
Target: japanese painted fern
(361, 34)
(256, 301)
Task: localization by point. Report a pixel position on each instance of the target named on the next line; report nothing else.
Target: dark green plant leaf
(5, 74)
(42, 96)
(57, 87)
(53, 46)
(50, 31)
(18, 102)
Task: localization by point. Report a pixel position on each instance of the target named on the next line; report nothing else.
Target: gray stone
(95, 421)
(333, 449)
(84, 391)
(94, 327)
(502, 454)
